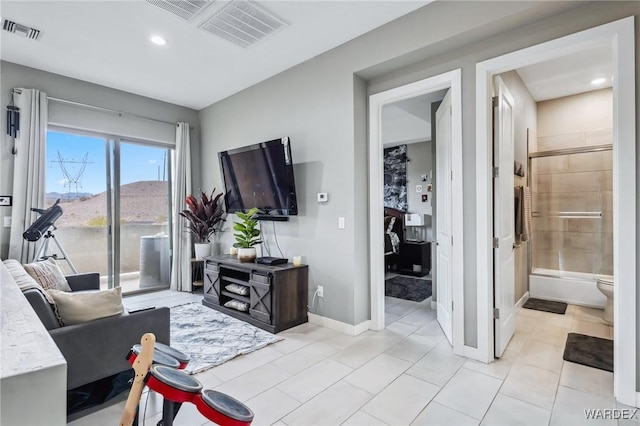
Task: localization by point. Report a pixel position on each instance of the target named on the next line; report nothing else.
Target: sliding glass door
(76, 176)
(115, 195)
(144, 209)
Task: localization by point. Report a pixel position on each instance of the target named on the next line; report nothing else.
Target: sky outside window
(138, 163)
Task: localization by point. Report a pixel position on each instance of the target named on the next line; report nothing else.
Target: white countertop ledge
(26, 346)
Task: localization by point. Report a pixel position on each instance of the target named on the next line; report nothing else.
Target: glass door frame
(112, 193)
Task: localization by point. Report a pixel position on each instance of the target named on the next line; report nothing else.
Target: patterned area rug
(210, 337)
(407, 288)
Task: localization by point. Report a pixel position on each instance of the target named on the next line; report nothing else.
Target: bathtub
(576, 288)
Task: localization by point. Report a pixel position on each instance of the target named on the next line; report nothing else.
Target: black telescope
(43, 223)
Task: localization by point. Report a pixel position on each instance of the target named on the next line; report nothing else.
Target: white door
(503, 218)
(444, 235)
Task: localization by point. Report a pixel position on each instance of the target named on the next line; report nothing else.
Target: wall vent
(185, 9)
(243, 23)
(21, 30)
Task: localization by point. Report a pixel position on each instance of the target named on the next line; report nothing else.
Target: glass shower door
(572, 197)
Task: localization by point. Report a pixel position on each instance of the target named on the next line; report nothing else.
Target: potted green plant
(204, 218)
(247, 235)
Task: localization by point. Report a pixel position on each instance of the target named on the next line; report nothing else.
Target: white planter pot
(202, 249)
(247, 254)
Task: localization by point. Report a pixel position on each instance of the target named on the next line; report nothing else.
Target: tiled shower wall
(573, 183)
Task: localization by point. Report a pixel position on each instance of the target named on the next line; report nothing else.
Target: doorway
(619, 35)
(116, 197)
(448, 284)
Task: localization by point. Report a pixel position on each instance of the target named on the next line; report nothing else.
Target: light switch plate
(7, 221)
(5, 200)
(341, 223)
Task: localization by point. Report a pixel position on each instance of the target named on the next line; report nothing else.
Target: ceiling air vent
(243, 23)
(21, 30)
(185, 9)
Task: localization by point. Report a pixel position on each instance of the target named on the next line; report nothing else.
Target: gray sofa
(97, 349)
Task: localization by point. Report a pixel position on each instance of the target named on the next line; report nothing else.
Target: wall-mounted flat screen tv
(261, 176)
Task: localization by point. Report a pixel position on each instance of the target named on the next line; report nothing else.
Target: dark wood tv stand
(276, 298)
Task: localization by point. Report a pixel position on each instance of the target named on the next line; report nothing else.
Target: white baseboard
(351, 330)
(522, 300)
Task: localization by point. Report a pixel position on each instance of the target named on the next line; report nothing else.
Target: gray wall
(57, 86)
(525, 117)
(452, 54)
(420, 163)
(314, 104)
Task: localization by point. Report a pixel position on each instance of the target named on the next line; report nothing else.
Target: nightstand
(414, 258)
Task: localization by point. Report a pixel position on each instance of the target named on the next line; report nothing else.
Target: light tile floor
(407, 375)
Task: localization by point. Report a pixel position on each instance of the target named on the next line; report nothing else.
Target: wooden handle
(141, 366)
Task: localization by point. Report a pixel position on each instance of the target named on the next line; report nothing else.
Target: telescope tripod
(44, 248)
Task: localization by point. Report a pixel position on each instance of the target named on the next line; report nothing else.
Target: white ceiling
(107, 42)
(569, 74)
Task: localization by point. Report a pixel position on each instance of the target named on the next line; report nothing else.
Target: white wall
(314, 104)
(57, 86)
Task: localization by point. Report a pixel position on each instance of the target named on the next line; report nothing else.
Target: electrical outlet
(320, 291)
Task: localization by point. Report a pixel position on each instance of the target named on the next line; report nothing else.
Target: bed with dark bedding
(393, 234)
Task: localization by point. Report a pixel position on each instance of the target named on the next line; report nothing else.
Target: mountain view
(141, 202)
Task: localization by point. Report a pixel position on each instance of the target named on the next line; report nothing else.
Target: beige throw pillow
(48, 274)
(79, 307)
(23, 280)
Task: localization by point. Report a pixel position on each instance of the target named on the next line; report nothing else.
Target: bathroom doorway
(619, 37)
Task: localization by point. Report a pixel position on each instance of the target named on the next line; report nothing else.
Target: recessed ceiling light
(598, 81)
(160, 41)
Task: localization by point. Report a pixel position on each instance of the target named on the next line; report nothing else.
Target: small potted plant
(247, 235)
(204, 219)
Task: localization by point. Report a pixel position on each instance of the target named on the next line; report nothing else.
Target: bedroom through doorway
(409, 169)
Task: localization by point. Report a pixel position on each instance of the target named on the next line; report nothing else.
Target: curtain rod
(107, 110)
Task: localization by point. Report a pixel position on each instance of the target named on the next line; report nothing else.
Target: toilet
(605, 285)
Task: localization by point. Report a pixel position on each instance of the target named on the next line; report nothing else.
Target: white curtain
(181, 268)
(29, 170)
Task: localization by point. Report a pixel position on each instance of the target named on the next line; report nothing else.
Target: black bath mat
(546, 306)
(407, 288)
(590, 351)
